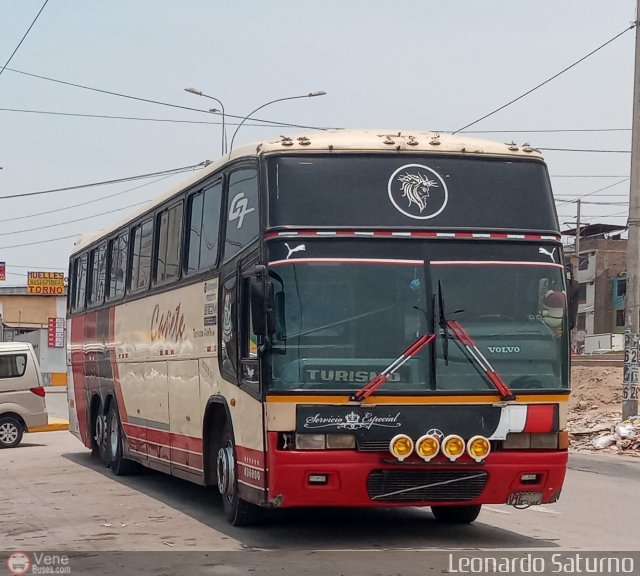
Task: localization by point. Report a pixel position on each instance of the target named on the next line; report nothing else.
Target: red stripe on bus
(77, 369)
(540, 418)
(250, 456)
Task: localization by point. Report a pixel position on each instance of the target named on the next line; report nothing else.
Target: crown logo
(352, 418)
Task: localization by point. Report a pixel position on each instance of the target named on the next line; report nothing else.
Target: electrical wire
(546, 131)
(548, 79)
(170, 172)
(595, 191)
(72, 206)
(159, 102)
(38, 228)
(138, 118)
(48, 241)
(23, 38)
(583, 150)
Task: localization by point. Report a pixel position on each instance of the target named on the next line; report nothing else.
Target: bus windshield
(342, 320)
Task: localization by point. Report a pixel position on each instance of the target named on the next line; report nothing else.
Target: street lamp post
(197, 92)
(310, 95)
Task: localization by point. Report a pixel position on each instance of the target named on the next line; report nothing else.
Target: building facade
(40, 320)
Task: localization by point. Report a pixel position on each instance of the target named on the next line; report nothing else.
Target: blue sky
(398, 65)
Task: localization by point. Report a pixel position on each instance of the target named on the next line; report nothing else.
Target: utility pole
(632, 305)
(578, 226)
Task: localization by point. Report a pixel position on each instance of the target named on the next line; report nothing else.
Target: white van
(22, 404)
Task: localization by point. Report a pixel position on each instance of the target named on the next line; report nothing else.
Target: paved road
(56, 497)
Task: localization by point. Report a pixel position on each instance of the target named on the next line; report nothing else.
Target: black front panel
(410, 190)
(382, 423)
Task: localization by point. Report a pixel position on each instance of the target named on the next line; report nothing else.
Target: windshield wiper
(471, 350)
(371, 386)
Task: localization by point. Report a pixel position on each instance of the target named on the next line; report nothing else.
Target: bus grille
(374, 446)
(432, 485)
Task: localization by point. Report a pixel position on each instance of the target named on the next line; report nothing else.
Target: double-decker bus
(344, 318)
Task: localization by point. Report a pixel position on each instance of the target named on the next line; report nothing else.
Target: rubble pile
(595, 413)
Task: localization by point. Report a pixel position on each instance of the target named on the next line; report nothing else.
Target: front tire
(239, 512)
(119, 465)
(11, 431)
(456, 514)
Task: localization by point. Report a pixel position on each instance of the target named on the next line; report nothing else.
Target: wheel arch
(15, 416)
(216, 416)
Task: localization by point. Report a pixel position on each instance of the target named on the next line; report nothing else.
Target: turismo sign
(45, 283)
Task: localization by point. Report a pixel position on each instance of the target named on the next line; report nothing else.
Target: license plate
(525, 499)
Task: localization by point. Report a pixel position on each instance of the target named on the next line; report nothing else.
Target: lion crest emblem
(417, 191)
(415, 188)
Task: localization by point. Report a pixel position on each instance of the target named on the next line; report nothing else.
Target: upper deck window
(169, 240)
(204, 228)
(410, 191)
(118, 269)
(98, 274)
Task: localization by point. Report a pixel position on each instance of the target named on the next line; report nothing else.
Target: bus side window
(169, 237)
(204, 228)
(142, 236)
(243, 223)
(80, 282)
(98, 273)
(118, 265)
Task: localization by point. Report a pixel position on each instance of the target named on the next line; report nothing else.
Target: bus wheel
(10, 432)
(100, 437)
(239, 512)
(120, 466)
(456, 514)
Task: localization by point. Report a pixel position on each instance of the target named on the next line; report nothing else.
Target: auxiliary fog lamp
(401, 446)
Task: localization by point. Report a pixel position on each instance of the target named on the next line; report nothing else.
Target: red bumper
(347, 472)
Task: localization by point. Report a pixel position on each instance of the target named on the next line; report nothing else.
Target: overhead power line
(595, 191)
(545, 131)
(117, 180)
(159, 102)
(48, 241)
(547, 80)
(72, 206)
(23, 38)
(38, 228)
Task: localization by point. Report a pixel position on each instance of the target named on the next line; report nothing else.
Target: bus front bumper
(350, 478)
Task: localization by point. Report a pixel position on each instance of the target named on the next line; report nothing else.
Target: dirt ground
(595, 409)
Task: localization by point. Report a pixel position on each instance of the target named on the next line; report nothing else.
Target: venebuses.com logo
(38, 563)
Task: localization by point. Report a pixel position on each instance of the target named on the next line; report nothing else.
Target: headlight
(427, 447)
(340, 441)
(478, 448)
(401, 446)
(310, 441)
(453, 447)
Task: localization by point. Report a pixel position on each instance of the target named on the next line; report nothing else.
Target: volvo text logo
(417, 191)
(504, 349)
(239, 209)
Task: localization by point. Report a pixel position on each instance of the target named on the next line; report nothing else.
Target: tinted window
(169, 238)
(80, 282)
(141, 258)
(242, 214)
(12, 365)
(118, 261)
(204, 228)
(410, 191)
(98, 274)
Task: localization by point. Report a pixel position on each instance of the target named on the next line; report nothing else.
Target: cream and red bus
(343, 318)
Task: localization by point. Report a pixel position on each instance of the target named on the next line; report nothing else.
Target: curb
(54, 425)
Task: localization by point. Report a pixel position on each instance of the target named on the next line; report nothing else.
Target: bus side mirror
(262, 308)
(574, 294)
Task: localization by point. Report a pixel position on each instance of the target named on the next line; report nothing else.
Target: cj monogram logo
(239, 209)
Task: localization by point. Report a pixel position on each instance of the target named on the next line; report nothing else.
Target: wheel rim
(226, 471)
(114, 435)
(8, 433)
(101, 430)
